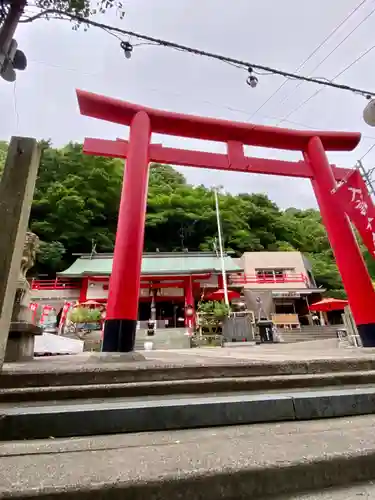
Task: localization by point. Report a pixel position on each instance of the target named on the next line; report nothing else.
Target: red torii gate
(122, 308)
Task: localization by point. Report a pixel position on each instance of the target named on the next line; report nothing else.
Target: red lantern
(189, 311)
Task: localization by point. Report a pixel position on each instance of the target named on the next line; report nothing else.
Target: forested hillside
(76, 202)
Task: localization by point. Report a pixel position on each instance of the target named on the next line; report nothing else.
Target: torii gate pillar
(349, 260)
(122, 308)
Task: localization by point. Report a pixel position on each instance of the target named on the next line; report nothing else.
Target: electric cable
(164, 43)
(326, 39)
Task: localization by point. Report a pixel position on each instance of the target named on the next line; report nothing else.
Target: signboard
(287, 295)
(354, 198)
(171, 292)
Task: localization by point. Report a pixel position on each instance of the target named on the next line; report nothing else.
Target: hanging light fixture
(251, 80)
(127, 48)
(369, 113)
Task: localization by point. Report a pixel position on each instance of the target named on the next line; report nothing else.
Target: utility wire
(241, 63)
(299, 106)
(329, 54)
(367, 152)
(312, 54)
(183, 95)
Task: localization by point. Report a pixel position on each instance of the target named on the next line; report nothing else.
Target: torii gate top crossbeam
(165, 122)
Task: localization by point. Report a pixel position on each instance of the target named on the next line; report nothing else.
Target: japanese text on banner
(355, 200)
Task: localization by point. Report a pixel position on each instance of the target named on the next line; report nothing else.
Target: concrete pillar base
(20, 345)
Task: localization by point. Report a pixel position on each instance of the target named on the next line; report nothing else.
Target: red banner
(355, 200)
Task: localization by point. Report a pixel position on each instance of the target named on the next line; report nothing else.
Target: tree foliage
(76, 203)
(83, 9)
(3, 155)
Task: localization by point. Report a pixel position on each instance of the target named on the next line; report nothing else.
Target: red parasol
(326, 305)
(91, 303)
(220, 295)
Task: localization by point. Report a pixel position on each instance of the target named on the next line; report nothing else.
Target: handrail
(266, 279)
(243, 279)
(56, 284)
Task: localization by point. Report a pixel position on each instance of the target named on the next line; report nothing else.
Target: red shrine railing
(266, 279)
(56, 284)
(235, 279)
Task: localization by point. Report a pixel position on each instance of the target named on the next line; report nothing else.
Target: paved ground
(276, 449)
(362, 491)
(306, 351)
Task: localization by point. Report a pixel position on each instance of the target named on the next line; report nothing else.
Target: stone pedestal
(20, 345)
(16, 195)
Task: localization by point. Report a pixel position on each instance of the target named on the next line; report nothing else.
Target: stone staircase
(164, 338)
(185, 426)
(309, 333)
(176, 338)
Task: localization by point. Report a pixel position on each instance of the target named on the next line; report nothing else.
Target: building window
(274, 275)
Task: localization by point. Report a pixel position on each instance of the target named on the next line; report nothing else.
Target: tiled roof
(158, 263)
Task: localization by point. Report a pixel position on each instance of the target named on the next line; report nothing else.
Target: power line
(330, 53)
(310, 56)
(183, 95)
(367, 152)
(297, 108)
(240, 63)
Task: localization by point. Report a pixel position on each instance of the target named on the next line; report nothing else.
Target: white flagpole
(221, 248)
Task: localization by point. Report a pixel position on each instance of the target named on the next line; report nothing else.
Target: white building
(280, 285)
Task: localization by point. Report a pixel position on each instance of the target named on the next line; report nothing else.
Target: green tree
(76, 201)
(3, 155)
(50, 256)
(325, 270)
(81, 8)
(76, 206)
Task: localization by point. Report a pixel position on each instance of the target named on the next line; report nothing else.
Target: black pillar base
(119, 335)
(367, 334)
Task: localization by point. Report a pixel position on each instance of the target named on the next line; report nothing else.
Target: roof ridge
(156, 255)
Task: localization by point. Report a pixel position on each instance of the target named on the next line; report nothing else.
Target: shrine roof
(155, 264)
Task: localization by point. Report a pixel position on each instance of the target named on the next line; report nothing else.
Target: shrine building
(171, 281)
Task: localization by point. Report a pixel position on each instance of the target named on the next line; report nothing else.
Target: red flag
(355, 200)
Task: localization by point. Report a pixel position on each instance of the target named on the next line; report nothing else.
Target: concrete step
(364, 490)
(111, 416)
(194, 366)
(293, 340)
(184, 387)
(240, 462)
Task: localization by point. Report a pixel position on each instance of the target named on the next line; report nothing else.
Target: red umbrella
(90, 303)
(220, 295)
(326, 305)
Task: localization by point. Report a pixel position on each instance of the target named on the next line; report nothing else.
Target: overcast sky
(277, 33)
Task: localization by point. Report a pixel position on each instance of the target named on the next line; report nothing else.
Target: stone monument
(20, 345)
(16, 194)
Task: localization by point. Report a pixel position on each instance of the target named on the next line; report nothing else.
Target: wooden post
(16, 195)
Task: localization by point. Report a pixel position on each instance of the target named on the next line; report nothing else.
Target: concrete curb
(164, 413)
(63, 375)
(199, 386)
(253, 482)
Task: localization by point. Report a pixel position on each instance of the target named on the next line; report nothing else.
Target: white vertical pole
(366, 174)
(226, 300)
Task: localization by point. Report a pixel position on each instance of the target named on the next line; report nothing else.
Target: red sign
(355, 200)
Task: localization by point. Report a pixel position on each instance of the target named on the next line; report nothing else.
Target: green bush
(84, 315)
